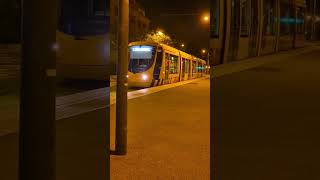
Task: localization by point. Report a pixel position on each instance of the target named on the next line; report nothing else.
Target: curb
(241, 65)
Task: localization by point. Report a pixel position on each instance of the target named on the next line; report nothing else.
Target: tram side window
(194, 65)
(201, 68)
(198, 67)
(173, 64)
(187, 65)
(245, 18)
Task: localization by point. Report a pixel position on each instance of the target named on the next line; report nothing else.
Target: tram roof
(150, 43)
(299, 3)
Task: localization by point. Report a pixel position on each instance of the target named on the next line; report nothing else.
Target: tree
(157, 36)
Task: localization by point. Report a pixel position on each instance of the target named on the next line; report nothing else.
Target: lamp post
(37, 99)
(122, 81)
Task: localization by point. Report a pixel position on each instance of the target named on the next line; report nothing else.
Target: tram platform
(168, 135)
(267, 119)
(269, 128)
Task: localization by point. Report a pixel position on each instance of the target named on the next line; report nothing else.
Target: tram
(83, 49)
(83, 46)
(242, 29)
(154, 64)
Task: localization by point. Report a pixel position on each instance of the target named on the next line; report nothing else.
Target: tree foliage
(158, 37)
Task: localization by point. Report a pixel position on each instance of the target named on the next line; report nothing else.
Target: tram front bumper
(139, 84)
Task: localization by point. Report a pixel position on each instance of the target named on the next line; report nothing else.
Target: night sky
(190, 30)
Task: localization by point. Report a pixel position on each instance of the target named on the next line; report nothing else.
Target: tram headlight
(144, 77)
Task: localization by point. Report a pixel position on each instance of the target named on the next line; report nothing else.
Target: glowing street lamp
(206, 18)
(182, 45)
(203, 51)
(160, 33)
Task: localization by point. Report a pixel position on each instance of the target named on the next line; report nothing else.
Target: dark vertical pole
(313, 20)
(295, 28)
(122, 84)
(37, 107)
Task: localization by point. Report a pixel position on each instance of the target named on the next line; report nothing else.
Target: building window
(287, 20)
(269, 16)
(300, 20)
(215, 19)
(245, 18)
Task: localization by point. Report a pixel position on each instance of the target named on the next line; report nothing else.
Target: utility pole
(122, 81)
(37, 101)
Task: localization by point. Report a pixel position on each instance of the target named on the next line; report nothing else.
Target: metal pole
(122, 83)
(37, 101)
(313, 20)
(208, 57)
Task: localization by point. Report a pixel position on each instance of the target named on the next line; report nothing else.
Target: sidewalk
(168, 135)
(168, 138)
(266, 121)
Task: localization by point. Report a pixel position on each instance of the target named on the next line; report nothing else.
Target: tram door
(183, 69)
(167, 67)
(157, 68)
(234, 30)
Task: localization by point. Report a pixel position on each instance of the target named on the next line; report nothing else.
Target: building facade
(9, 21)
(139, 24)
(313, 20)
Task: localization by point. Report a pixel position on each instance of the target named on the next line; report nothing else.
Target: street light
(205, 18)
(160, 33)
(182, 45)
(203, 51)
